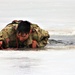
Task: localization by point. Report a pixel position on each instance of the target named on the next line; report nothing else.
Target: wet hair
(24, 27)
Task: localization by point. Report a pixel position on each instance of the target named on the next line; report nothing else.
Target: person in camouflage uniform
(23, 34)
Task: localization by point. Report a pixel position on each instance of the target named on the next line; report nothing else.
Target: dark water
(64, 40)
(58, 42)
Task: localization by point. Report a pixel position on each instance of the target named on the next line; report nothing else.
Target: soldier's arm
(5, 34)
(1, 41)
(40, 35)
(34, 44)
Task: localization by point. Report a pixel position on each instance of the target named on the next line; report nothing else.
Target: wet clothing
(8, 36)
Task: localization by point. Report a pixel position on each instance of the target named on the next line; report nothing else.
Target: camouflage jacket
(8, 36)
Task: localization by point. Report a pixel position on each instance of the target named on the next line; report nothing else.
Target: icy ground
(49, 62)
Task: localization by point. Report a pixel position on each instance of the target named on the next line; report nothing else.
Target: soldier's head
(23, 30)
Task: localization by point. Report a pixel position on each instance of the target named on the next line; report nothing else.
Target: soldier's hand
(34, 44)
(1, 42)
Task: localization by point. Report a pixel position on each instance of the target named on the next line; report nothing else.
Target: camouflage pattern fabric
(8, 36)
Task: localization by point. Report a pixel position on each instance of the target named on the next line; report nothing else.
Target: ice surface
(50, 62)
